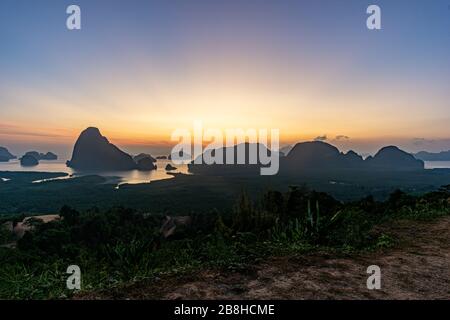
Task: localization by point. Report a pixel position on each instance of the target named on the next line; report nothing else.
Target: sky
(138, 70)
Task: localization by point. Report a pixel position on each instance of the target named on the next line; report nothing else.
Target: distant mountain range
(42, 156)
(321, 155)
(28, 157)
(429, 156)
(318, 155)
(92, 151)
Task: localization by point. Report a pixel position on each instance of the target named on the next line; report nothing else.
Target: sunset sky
(140, 69)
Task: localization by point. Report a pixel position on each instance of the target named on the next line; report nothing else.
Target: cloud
(321, 138)
(342, 137)
(15, 130)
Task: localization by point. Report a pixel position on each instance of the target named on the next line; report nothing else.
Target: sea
(437, 164)
(133, 176)
(130, 177)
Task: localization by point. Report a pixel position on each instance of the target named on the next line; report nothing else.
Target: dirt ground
(417, 268)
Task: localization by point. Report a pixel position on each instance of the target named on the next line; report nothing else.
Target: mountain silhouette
(146, 164)
(393, 158)
(5, 155)
(284, 151)
(92, 151)
(28, 161)
(42, 156)
(429, 156)
(352, 159)
(318, 154)
(200, 166)
(321, 155)
(141, 156)
(170, 167)
(314, 156)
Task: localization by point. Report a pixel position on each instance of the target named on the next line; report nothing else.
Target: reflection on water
(132, 177)
(437, 164)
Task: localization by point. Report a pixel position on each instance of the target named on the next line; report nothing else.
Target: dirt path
(419, 268)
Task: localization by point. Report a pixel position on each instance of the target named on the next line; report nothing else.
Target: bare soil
(417, 268)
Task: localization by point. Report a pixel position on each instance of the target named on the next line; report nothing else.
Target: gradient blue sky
(140, 69)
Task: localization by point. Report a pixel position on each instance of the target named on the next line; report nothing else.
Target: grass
(121, 246)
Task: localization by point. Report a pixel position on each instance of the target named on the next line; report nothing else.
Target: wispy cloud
(342, 137)
(15, 130)
(321, 138)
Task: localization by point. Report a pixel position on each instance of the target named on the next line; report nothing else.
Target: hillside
(417, 268)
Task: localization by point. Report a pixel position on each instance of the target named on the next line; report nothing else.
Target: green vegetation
(198, 193)
(121, 245)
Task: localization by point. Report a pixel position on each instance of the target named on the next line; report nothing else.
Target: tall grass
(121, 245)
